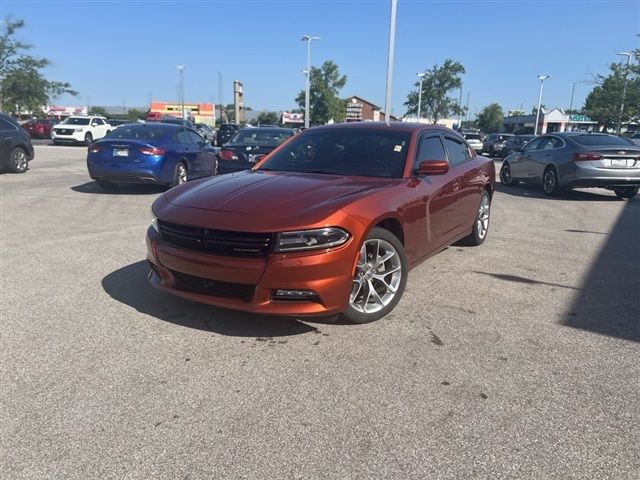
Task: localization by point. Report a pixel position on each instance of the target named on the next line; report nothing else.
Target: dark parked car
(40, 128)
(494, 143)
(225, 132)
(247, 146)
(515, 143)
(576, 159)
(116, 123)
(157, 153)
(331, 222)
(206, 132)
(16, 150)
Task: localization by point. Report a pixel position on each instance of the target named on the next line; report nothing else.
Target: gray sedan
(575, 160)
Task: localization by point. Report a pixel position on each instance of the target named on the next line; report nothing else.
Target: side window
(184, 137)
(547, 143)
(533, 145)
(430, 149)
(557, 142)
(458, 151)
(195, 138)
(5, 125)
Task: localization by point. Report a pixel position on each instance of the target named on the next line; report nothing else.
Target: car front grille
(216, 288)
(64, 131)
(219, 242)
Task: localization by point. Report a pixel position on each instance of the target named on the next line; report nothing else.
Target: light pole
(390, 52)
(181, 70)
(542, 78)
(421, 77)
(308, 39)
(466, 112)
(624, 89)
(573, 90)
(460, 108)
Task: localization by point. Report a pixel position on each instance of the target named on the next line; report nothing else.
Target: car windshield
(598, 139)
(140, 131)
(228, 128)
(266, 138)
(76, 121)
(375, 153)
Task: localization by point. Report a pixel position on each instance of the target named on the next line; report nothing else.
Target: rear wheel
(18, 161)
(550, 181)
(481, 222)
(380, 277)
(626, 192)
(505, 175)
(180, 175)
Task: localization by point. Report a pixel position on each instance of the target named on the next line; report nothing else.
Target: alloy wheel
(549, 182)
(20, 160)
(483, 217)
(505, 174)
(181, 174)
(378, 277)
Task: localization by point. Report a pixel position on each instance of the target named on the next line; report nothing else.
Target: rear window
(472, 136)
(599, 139)
(258, 136)
(228, 128)
(142, 131)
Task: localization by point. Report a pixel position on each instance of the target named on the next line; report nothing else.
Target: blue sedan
(155, 153)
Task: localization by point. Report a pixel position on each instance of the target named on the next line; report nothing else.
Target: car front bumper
(249, 284)
(76, 137)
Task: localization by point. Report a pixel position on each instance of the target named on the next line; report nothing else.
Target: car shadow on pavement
(128, 189)
(535, 191)
(130, 285)
(609, 300)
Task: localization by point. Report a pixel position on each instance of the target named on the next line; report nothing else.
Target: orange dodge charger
(329, 223)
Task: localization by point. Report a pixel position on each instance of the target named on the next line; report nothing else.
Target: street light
(308, 39)
(421, 77)
(181, 70)
(542, 78)
(624, 89)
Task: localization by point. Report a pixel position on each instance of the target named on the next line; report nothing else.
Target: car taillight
(153, 151)
(585, 157)
(228, 155)
(95, 148)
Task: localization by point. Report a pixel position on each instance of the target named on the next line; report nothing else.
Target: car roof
(395, 126)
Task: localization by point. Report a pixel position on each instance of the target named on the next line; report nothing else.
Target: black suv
(225, 132)
(16, 150)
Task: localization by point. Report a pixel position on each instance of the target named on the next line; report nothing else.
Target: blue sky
(122, 53)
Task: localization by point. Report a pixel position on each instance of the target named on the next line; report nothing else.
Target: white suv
(80, 130)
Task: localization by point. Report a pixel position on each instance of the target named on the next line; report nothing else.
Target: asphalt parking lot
(516, 359)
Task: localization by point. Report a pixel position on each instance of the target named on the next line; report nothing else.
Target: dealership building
(198, 112)
(550, 121)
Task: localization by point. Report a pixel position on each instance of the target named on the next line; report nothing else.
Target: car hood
(275, 194)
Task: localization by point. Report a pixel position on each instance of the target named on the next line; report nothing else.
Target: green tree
(22, 85)
(133, 115)
(98, 111)
(268, 118)
(436, 85)
(324, 101)
(603, 102)
(490, 118)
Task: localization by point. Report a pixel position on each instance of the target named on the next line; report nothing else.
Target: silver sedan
(574, 160)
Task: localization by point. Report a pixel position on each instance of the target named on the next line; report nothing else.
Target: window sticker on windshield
(397, 148)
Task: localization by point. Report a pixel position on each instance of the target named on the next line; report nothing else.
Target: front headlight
(311, 239)
(154, 221)
(79, 130)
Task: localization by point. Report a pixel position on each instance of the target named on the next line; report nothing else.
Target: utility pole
(466, 108)
(181, 70)
(460, 107)
(421, 77)
(624, 89)
(390, 51)
(307, 113)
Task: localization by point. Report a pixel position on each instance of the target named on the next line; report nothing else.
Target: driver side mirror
(432, 167)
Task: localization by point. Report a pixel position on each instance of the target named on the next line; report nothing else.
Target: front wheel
(88, 139)
(626, 192)
(505, 175)
(480, 223)
(19, 161)
(550, 182)
(380, 277)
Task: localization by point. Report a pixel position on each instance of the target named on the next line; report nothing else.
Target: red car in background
(329, 223)
(40, 128)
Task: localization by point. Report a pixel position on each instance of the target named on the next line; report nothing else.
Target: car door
(470, 180)
(8, 140)
(204, 159)
(437, 194)
(188, 152)
(520, 163)
(540, 158)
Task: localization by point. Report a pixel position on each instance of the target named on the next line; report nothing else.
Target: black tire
(550, 181)
(18, 160)
(505, 175)
(480, 223)
(626, 192)
(105, 185)
(370, 277)
(180, 175)
(88, 139)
